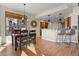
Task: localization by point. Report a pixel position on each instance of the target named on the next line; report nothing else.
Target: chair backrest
(24, 31)
(73, 31)
(32, 30)
(17, 31)
(63, 30)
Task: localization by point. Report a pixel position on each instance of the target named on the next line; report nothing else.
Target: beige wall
(2, 25)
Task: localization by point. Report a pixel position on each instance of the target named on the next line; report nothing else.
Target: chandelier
(24, 16)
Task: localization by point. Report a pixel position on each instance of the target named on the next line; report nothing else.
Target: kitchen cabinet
(43, 25)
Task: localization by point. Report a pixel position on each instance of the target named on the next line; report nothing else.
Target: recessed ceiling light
(60, 13)
(48, 15)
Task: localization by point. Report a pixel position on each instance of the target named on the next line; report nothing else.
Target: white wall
(49, 35)
(55, 26)
(74, 20)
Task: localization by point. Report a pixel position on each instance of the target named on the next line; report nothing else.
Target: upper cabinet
(68, 22)
(43, 25)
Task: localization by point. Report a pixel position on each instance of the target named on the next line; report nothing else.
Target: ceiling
(56, 15)
(39, 10)
(32, 8)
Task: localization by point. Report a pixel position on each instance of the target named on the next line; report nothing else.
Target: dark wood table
(14, 38)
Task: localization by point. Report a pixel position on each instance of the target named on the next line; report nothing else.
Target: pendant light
(49, 18)
(23, 18)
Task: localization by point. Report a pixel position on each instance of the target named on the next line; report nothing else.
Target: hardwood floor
(43, 48)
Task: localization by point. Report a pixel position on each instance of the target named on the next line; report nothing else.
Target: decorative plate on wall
(33, 23)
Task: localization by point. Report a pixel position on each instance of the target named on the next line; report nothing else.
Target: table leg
(12, 40)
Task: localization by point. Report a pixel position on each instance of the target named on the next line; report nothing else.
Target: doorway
(43, 25)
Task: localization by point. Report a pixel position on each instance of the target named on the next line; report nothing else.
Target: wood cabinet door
(68, 22)
(43, 25)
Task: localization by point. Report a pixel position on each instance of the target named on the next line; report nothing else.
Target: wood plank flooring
(43, 48)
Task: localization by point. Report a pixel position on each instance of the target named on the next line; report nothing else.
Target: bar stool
(60, 36)
(70, 34)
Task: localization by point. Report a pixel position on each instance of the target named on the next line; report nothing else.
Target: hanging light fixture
(49, 18)
(24, 17)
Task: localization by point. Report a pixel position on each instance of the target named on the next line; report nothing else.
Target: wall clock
(33, 23)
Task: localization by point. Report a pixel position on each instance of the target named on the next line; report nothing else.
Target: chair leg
(34, 41)
(20, 47)
(15, 48)
(26, 45)
(28, 42)
(12, 40)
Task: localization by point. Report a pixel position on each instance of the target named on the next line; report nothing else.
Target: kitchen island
(52, 35)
